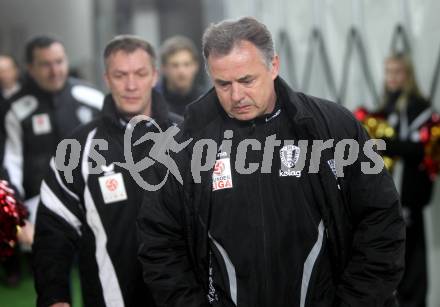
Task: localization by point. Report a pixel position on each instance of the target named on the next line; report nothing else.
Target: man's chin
(129, 114)
(53, 88)
(183, 88)
(244, 116)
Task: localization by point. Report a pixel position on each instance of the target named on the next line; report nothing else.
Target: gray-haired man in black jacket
(242, 232)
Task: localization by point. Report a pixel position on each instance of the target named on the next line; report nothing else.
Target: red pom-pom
(12, 215)
(424, 134)
(361, 113)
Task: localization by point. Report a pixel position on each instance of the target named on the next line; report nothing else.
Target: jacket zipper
(263, 225)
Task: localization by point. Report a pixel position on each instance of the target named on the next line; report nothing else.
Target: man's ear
(275, 69)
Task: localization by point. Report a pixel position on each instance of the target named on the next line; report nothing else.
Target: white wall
(69, 20)
(146, 25)
(376, 20)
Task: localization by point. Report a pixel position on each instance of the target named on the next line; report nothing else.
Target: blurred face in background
(131, 78)
(8, 73)
(180, 70)
(49, 67)
(396, 75)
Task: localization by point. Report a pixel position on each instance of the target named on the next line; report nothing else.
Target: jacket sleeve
(3, 174)
(405, 149)
(57, 232)
(163, 252)
(12, 150)
(376, 262)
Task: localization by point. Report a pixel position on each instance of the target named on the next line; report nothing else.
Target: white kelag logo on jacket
(289, 155)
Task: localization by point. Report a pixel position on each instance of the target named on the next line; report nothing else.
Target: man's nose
(130, 83)
(237, 92)
(53, 69)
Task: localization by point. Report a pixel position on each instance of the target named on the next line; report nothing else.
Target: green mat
(24, 295)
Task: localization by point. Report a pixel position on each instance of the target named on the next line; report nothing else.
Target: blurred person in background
(9, 85)
(47, 108)
(9, 77)
(180, 65)
(408, 111)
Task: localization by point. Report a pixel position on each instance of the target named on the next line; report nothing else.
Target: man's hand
(60, 305)
(26, 234)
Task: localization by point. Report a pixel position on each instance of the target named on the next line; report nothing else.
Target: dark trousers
(12, 268)
(413, 288)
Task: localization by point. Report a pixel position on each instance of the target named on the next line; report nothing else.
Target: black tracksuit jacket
(416, 186)
(361, 216)
(35, 121)
(74, 217)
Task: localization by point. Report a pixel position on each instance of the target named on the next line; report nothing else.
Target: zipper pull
(252, 127)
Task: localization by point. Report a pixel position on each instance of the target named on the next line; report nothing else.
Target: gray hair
(219, 39)
(129, 44)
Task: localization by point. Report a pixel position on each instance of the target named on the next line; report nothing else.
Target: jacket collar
(31, 85)
(159, 111)
(208, 109)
